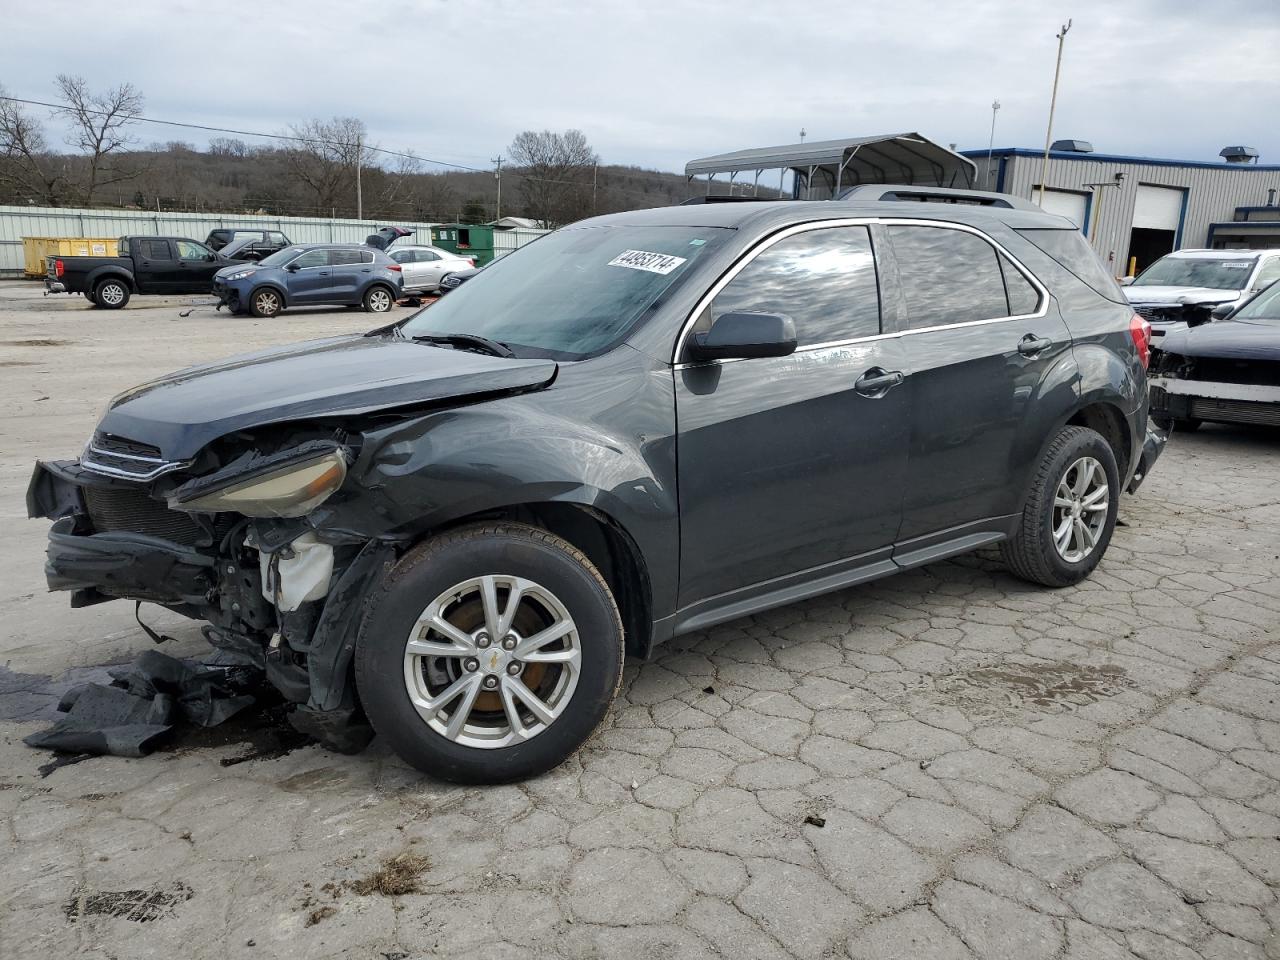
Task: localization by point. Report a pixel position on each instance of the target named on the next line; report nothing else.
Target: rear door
(431, 267)
(979, 335)
(350, 271)
(155, 265)
(408, 260)
(789, 467)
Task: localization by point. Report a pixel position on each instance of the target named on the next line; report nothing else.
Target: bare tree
(326, 157)
(555, 174)
(26, 164)
(99, 123)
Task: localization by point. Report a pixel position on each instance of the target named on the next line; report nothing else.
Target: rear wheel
(490, 654)
(111, 294)
(265, 302)
(1070, 512)
(378, 300)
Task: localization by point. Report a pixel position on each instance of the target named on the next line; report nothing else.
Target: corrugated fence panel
(18, 222)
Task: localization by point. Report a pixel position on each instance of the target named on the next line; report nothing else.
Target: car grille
(129, 509)
(1219, 370)
(1235, 411)
(120, 457)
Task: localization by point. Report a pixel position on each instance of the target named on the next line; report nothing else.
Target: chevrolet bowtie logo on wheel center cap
(495, 660)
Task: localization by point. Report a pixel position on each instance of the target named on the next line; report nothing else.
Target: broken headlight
(293, 489)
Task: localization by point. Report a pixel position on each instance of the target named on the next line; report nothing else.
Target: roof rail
(982, 198)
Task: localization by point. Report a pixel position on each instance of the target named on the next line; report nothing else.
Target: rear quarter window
(1070, 250)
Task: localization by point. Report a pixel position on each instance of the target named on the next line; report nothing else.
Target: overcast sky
(657, 83)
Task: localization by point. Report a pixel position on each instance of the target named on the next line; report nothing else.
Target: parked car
(310, 275)
(161, 265)
(246, 244)
(1186, 286)
(640, 426)
(1227, 371)
(425, 267)
(455, 279)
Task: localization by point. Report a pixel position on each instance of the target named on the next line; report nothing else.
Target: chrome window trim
(749, 255)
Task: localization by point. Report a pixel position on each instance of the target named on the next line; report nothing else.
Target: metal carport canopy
(906, 158)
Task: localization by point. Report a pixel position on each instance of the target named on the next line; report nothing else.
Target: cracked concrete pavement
(948, 764)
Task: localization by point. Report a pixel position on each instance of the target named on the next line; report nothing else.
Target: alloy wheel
(1080, 507)
(492, 661)
(379, 301)
(111, 294)
(267, 303)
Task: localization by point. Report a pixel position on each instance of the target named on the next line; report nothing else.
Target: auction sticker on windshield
(662, 263)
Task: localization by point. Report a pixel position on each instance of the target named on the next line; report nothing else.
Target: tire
(1033, 552)
(111, 294)
(445, 576)
(89, 296)
(265, 302)
(378, 299)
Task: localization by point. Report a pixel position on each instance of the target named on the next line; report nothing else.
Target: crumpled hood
(182, 412)
(1226, 339)
(1154, 294)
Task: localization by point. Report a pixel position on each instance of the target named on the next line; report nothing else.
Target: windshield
(280, 257)
(1264, 308)
(571, 293)
(1198, 272)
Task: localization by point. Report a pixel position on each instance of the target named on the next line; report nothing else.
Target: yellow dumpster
(36, 250)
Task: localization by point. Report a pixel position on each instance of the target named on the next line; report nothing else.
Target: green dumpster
(465, 239)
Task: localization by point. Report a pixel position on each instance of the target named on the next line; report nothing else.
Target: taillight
(58, 267)
(1140, 330)
(395, 267)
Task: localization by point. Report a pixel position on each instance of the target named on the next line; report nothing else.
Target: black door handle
(877, 381)
(1030, 345)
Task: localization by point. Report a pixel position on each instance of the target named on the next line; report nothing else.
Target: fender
(97, 274)
(475, 459)
(1117, 379)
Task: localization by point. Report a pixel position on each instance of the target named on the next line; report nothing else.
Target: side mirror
(293, 267)
(211, 257)
(1222, 311)
(745, 335)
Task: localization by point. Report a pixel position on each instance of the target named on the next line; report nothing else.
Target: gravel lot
(948, 764)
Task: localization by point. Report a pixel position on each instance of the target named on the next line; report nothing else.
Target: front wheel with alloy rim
(111, 294)
(1070, 511)
(265, 302)
(490, 653)
(378, 300)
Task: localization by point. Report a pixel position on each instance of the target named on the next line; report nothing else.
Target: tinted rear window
(1072, 252)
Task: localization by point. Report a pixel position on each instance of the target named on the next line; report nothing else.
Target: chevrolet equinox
(451, 530)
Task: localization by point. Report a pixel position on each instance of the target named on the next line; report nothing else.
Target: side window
(402, 256)
(824, 280)
(1268, 275)
(427, 256)
(366, 256)
(344, 258)
(155, 249)
(278, 238)
(313, 258)
(1023, 297)
(947, 276)
(190, 250)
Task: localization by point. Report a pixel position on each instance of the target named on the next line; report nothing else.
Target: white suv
(1187, 285)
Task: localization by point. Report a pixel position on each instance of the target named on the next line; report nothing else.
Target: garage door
(1157, 208)
(1065, 204)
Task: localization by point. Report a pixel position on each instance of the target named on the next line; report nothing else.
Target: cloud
(658, 83)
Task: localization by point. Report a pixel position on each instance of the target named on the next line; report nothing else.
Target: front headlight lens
(239, 274)
(293, 490)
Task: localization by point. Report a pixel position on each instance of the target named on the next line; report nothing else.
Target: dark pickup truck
(145, 265)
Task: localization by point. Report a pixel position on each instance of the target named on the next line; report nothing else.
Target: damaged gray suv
(451, 530)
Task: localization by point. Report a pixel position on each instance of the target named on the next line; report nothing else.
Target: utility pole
(359, 190)
(595, 172)
(802, 134)
(995, 106)
(1053, 101)
(497, 174)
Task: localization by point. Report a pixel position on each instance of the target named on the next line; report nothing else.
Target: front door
(196, 267)
(156, 266)
(312, 278)
(979, 338)
(793, 465)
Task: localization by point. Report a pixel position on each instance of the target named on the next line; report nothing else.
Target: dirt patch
(1049, 686)
(320, 913)
(397, 876)
(140, 906)
(41, 342)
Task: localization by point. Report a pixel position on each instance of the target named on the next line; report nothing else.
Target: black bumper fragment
(127, 565)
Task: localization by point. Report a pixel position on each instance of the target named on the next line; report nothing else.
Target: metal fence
(18, 222)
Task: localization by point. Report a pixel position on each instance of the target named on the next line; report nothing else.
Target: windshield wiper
(471, 341)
